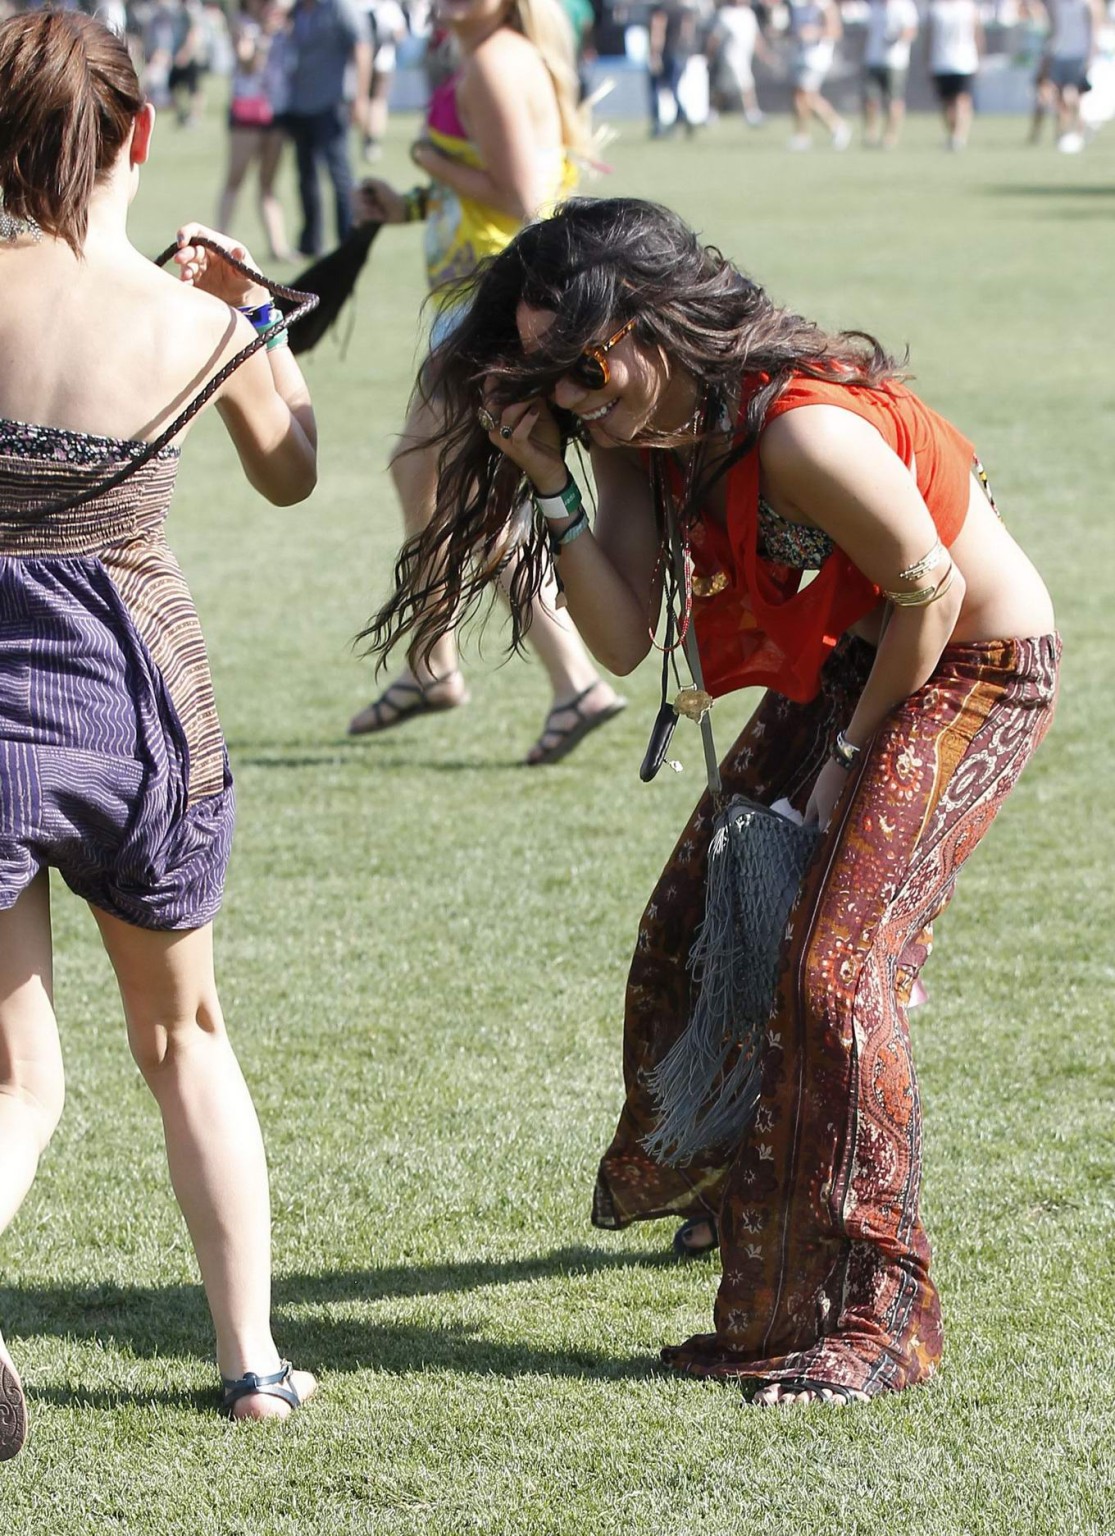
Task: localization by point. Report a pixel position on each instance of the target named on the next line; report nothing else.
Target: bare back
(109, 344)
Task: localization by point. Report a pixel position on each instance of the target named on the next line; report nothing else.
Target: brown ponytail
(68, 98)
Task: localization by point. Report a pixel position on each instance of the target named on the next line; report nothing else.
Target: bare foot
(261, 1405)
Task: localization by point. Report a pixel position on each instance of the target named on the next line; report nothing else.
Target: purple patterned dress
(113, 768)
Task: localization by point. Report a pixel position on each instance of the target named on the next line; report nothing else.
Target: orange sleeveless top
(756, 624)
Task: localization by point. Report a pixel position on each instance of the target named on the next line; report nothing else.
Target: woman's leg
(777, 756)
(31, 1088)
(214, 1147)
(826, 1282)
(872, 131)
(802, 112)
(896, 116)
(379, 97)
(31, 1078)
(1069, 119)
(827, 114)
(581, 697)
(435, 682)
(243, 144)
(962, 119)
(270, 208)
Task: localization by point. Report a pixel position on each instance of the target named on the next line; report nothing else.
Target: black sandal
(687, 1250)
(558, 741)
(279, 1384)
(800, 1384)
(405, 700)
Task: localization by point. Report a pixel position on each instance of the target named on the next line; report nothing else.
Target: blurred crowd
(825, 60)
(304, 72)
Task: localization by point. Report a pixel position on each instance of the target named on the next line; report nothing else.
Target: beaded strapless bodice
(41, 467)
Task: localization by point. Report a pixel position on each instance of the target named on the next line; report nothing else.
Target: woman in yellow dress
(502, 134)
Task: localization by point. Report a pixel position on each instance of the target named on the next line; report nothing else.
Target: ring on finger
(505, 433)
(486, 419)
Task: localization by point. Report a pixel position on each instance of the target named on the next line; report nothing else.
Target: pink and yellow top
(461, 232)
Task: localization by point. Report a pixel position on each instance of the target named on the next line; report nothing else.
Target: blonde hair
(545, 24)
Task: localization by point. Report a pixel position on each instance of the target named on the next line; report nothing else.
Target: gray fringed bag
(707, 1085)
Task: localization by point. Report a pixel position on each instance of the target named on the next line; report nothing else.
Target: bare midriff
(1004, 597)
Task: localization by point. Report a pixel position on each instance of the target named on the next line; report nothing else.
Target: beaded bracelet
(844, 752)
(560, 504)
(263, 317)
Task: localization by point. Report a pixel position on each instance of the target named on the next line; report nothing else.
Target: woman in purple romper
(112, 765)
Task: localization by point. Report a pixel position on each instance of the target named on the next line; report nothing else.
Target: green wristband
(564, 503)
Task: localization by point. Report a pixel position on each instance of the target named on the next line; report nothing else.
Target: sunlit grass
(422, 958)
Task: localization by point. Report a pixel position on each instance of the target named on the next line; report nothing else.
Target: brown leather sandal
(13, 1413)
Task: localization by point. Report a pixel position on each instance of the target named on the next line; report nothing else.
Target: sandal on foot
(402, 700)
(687, 1250)
(13, 1413)
(558, 741)
(844, 1395)
(279, 1384)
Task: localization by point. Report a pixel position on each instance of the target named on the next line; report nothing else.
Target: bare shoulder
(200, 332)
(501, 59)
(154, 294)
(179, 336)
(815, 437)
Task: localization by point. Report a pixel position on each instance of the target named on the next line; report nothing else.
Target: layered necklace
(675, 566)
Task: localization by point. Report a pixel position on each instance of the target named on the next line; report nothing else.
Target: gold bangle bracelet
(923, 566)
(923, 596)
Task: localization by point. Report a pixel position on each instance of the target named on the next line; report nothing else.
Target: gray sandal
(278, 1384)
(557, 741)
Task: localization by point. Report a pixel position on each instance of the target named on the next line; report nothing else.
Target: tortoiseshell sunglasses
(591, 370)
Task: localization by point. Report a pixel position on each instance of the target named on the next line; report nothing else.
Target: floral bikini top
(794, 544)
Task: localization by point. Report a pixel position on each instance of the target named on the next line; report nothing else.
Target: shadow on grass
(1056, 201)
(343, 758)
(171, 1321)
(1051, 189)
(357, 752)
(109, 1399)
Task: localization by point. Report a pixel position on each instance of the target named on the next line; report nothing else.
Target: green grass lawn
(423, 952)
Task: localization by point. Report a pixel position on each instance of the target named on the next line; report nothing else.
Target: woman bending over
(112, 766)
(907, 684)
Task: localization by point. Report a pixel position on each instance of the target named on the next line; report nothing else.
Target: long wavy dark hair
(596, 263)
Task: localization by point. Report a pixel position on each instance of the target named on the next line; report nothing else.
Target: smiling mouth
(591, 417)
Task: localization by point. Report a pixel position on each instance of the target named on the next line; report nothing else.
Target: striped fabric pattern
(112, 761)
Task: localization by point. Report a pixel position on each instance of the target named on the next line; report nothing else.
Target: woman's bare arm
(826, 466)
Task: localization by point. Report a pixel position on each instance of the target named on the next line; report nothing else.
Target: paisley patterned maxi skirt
(826, 1262)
